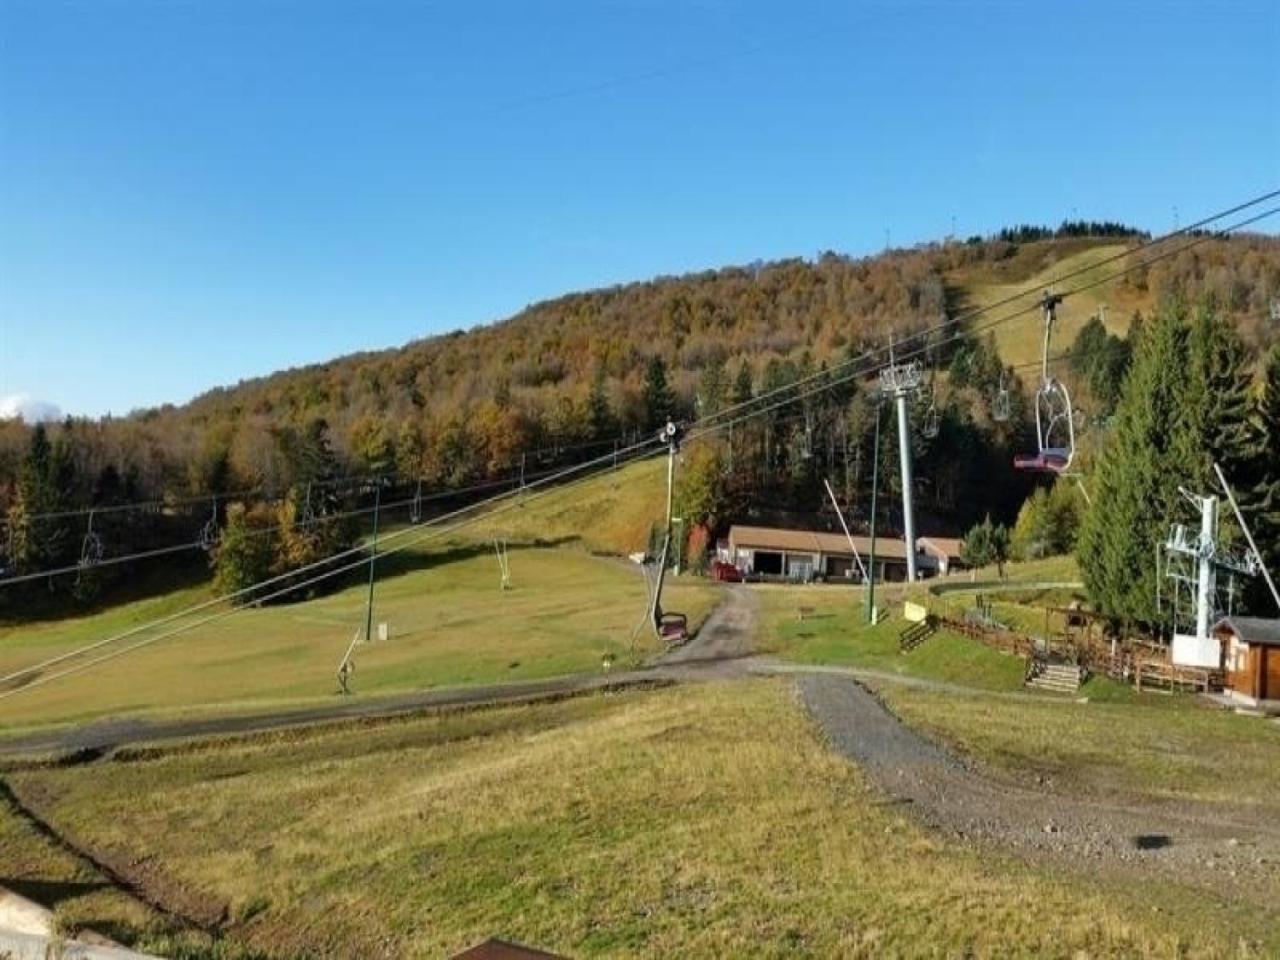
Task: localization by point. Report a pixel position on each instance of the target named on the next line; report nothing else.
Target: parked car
(725, 572)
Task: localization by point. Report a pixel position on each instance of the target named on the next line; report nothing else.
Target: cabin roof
(814, 541)
(1259, 631)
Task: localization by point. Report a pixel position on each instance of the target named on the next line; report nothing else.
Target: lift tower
(902, 380)
(1193, 563)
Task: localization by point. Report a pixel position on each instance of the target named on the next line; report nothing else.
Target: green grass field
(1021, 341)
(834, 631)
(609, 512)
(1153, 745)
(449, 625)
(700, 821)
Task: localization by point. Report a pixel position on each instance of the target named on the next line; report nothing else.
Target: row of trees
(563, 380)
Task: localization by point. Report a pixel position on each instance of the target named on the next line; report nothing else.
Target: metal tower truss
(1195, 564)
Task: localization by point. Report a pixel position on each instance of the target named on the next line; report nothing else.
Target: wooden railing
(917, 633)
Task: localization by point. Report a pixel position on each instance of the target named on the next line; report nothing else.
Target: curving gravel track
(1188, 843)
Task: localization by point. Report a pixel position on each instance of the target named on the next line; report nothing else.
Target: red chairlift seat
(674, 627)
(1050, 461)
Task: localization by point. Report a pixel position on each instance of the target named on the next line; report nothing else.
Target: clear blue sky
(196, 192)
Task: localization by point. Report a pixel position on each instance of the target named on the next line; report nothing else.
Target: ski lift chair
(929, 426)
(91, 547)
(210, 535)
(673, 627)
(1055, 419)
(1000, 403)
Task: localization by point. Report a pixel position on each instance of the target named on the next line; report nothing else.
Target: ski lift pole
(848, 536)
(373, 556)
(875, 490)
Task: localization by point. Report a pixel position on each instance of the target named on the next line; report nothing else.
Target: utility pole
(373, 556)
(875, 496)
(902, 381)
(670, 434)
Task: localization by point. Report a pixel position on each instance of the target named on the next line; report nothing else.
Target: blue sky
(194, 193)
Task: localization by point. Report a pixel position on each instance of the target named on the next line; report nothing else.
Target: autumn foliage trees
(568, 379)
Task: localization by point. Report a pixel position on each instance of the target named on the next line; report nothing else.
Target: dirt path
(1186, 842)
(725, 639)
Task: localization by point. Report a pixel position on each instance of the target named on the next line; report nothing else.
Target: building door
(767, 562)
(800, 569)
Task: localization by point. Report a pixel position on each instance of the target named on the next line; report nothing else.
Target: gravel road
(1202, 846)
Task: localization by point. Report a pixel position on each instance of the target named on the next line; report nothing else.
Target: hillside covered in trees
(571, 377)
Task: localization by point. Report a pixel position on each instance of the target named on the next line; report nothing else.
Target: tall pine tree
(1262, 500)
(659, 405)
(1137, 477)
(1214, 426)
(1185, 406)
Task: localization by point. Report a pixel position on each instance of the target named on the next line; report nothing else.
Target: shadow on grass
(392, 565)
(49, 893)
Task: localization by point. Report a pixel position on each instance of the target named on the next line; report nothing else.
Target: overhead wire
(973, 313)
(246, 592)
(612, 457)
(447, 494)
(962, 317)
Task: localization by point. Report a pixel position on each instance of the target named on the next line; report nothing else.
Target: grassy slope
(610, 512)
(836, 632)
(449, 625)
(699, 821)
(1020, 341)
(1156, 746)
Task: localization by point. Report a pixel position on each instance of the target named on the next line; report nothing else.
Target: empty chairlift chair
(1055, 420)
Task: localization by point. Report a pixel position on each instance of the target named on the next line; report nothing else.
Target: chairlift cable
(706, 430)
(244, 592)
(965, 316)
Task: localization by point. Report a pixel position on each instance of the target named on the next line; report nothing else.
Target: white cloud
(29, 409)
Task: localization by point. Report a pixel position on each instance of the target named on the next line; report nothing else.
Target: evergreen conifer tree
(1137, 477)
(659, 405)
(1262, 501)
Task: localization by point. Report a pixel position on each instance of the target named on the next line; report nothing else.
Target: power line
(962, 317)
(965, 316)
(446, 494)
(245, 592)
(268, 492)
(705, 430)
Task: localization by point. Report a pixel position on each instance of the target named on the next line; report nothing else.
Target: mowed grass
(834, 630)
(608, 512)
(449, 624)
(1020, 341)
(1152, 746)
(706, 820)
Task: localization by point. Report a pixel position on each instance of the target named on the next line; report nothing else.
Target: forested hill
(588, 367)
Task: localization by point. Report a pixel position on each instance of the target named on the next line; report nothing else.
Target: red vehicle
(725, 572)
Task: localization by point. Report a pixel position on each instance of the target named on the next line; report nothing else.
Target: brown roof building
(806, 555)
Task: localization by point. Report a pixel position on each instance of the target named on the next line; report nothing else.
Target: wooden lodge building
(804, 555)
(1250, 658)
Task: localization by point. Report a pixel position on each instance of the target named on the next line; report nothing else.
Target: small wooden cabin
(1250, 656)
